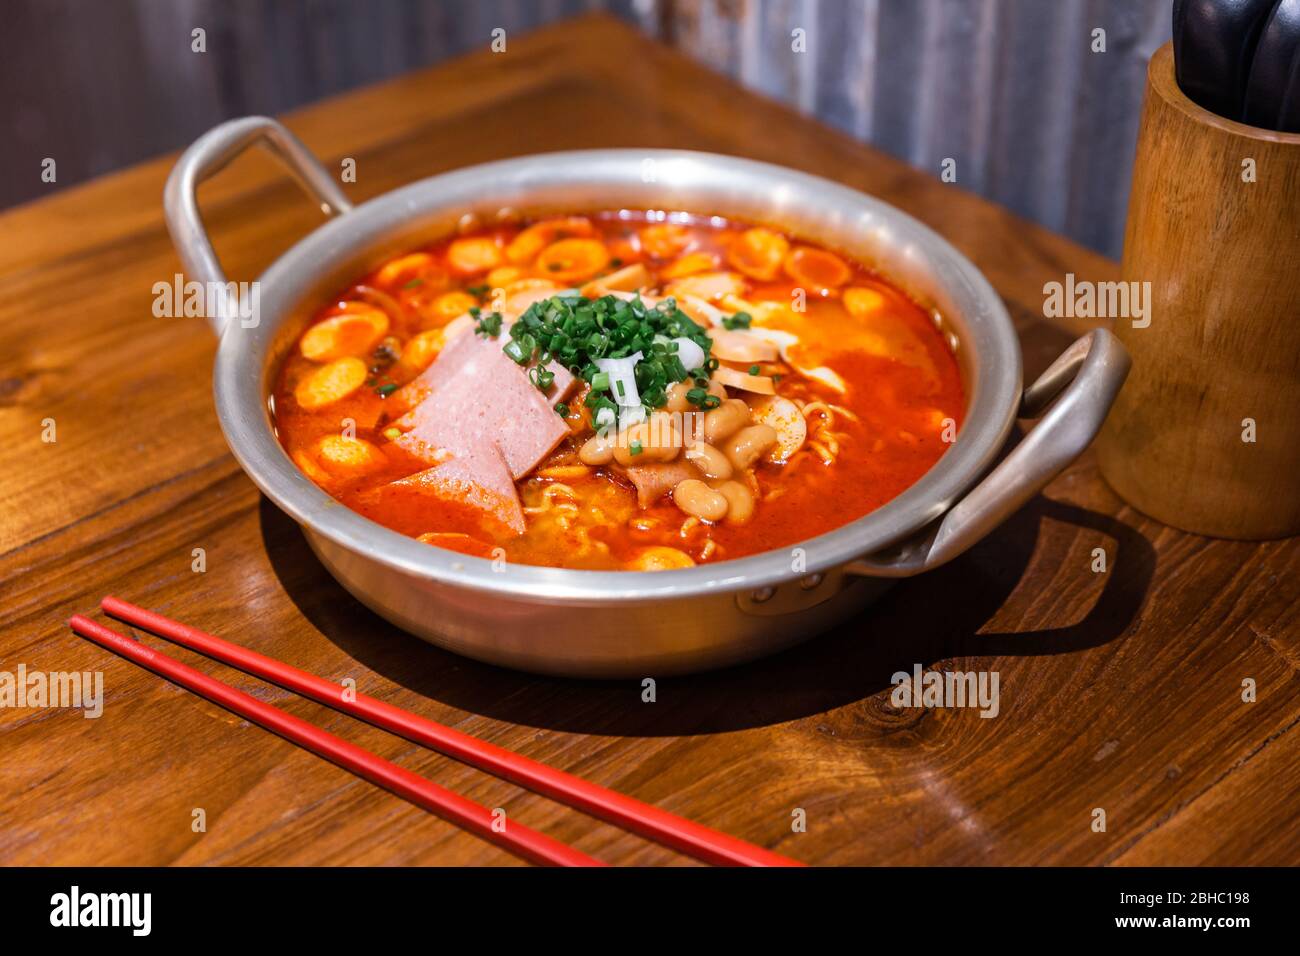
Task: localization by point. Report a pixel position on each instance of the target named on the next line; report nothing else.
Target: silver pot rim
(380, 226)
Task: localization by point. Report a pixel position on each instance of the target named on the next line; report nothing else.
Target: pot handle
(1080, 387)
(208, 155)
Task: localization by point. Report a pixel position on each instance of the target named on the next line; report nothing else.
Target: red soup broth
(876, 386)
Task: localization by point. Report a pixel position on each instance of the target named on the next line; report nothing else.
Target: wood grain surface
(1120, 690)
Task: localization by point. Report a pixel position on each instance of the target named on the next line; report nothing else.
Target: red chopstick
(514, 837)
(649, 821)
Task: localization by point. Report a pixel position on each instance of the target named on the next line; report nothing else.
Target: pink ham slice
(479, 395)
(654, 481)
(476, 477)
(562, 387)
(478, 420)
(453, 355)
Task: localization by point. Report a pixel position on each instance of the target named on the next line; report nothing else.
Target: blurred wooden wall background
(1010, 89)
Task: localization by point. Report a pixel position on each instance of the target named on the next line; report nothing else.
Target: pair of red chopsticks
(641, 818)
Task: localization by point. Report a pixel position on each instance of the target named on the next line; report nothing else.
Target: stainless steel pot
(623, 623)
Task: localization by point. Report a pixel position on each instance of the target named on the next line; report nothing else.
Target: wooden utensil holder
(1206, 434)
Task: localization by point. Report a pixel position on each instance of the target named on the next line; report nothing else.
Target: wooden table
(1120, 690)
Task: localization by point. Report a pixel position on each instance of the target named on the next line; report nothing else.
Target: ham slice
(478, 395)
(562, 387)
(470, 495)
(479, 422)
(654, 481)
(454, 353)
(477, 478)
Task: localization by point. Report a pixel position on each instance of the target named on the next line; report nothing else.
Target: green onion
(517, 352)
(754, 370)
(478, 291)
(489, 325)
(541, 377)
(702, 398)
(740, 320)
(595, 401)
(654, 397)
(562, 409)
(634, 448)
(385, 390)
(575, 332)
(413, 283)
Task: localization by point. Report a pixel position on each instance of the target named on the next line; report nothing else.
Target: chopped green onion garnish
(562, 409)
(702, 398)
(478, 291)
(517, 352)
(753, 370)
(385, 390)
(412, 284)
(635, 448)
(541, 377)
(740, 320)
(487, 324)
(576, 332)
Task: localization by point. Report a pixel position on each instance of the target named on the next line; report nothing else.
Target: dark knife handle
(1273, 90)
(1214, 46)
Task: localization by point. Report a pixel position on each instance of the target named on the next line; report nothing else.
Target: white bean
(711, 462)
(725, 420)
(747, 445)
(699, 500)
(740, 501)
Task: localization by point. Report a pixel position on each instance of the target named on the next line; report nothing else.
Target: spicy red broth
(622, 390)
